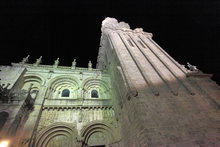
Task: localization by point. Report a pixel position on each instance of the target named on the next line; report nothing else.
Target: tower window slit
(141, 44)
(131, 44)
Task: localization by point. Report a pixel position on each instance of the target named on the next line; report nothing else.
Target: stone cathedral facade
(138, 96)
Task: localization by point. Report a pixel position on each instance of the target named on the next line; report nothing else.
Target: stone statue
(74, 64)
(191, 67)
(25, 60)
(38, 61)
(56, 62)
(90, 65)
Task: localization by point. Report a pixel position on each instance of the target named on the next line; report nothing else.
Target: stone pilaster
(29, 129)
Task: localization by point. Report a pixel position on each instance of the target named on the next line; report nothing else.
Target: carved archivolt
(58, 84)
(99, 126)
(60, 79)
(58, 129)
(35, 79)
(95, 84)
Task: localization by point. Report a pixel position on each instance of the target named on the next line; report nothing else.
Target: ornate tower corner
(157, 98)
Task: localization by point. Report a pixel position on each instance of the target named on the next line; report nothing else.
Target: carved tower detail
(160, 102)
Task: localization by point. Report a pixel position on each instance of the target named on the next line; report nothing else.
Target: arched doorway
(57, 135)
(98, 134)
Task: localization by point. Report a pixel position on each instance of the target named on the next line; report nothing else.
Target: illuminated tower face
(140, 59)
(158, 99)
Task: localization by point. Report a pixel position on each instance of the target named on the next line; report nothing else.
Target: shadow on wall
(3, 118)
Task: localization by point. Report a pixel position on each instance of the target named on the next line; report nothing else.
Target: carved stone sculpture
(74, 64)
(56, 62)
(191, 67)
(38, 61)
(90, 65)
(25, 60)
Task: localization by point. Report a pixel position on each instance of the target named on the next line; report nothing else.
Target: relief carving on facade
(75, 116)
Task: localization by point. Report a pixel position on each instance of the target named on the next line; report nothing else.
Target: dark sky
(189, 30)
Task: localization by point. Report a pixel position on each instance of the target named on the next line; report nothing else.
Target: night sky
(189, 30)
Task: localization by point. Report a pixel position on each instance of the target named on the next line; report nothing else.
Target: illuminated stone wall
(86, 116)
(159, 101)
(79, 117)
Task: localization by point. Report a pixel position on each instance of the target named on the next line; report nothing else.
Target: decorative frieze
(75, 115)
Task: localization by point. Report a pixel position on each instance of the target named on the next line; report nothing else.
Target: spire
(38, 61)
(25, 60)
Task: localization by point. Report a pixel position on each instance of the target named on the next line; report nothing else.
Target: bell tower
(158, 100)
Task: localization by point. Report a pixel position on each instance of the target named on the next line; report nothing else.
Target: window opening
(94, 94)
(65, 93)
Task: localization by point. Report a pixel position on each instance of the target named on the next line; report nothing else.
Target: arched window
(94, 94)
(65, 93)
(3, 118)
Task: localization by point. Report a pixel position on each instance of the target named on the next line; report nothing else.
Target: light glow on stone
(4, 143)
